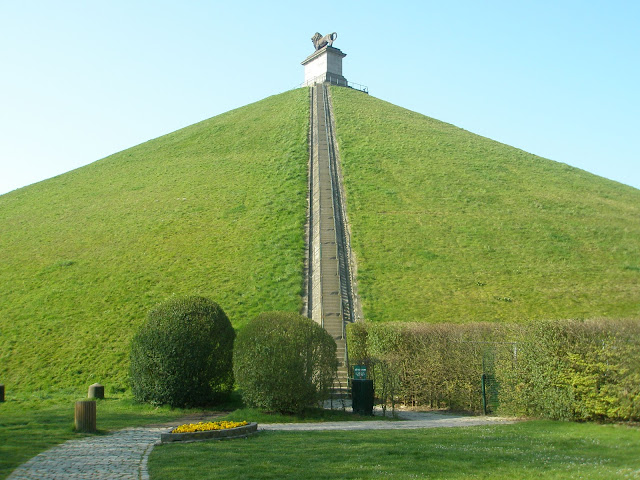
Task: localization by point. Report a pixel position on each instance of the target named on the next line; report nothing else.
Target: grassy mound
(451, 226)
(447, 226)
(216, 209)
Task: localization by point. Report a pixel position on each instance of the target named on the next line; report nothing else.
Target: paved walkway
(123, 454)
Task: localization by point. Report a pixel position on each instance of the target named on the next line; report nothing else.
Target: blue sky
(80, 80)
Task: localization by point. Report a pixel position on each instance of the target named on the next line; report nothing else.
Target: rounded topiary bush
(182, 355)
(284, 362)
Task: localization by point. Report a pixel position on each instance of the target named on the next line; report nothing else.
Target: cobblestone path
(119, 455)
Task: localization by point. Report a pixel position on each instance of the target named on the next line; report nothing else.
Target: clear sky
(80, 80)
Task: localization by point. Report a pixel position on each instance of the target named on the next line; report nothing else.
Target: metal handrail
(320, 307)
(339, 81)
(310, 206)
(358, 86)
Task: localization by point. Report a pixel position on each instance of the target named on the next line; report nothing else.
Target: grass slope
(216, 209)
(451, 226)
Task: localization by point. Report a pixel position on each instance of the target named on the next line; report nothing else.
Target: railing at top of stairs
(339, 81)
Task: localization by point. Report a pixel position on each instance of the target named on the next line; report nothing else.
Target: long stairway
(329, 299)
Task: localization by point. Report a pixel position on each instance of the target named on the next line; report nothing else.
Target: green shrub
(182, 355)
(284, 362)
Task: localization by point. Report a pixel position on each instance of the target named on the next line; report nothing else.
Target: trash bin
(362, 396)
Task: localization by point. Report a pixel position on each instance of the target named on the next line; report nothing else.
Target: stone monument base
(324, 65)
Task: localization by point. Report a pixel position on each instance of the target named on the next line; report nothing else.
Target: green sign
(360, 372)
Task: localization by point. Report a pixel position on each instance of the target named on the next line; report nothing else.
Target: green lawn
(449, 226)
(530, 450)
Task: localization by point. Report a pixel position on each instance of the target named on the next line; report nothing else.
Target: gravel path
(410, 420)
(123, 454)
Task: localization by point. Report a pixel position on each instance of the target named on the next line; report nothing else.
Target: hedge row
(581, 370)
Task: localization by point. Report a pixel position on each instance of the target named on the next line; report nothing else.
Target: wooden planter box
(226, 434)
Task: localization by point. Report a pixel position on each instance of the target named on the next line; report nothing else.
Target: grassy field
(531, 450)
(450, 226)
(215, 209)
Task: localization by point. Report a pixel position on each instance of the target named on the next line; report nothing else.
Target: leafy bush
(284, 362)
(182, 355)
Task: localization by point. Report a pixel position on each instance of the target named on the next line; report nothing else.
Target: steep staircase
(329, 291)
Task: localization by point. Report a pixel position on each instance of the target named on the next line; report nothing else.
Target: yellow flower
(205, 427)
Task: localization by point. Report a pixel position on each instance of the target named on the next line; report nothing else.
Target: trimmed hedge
(182, 355)
(574, 370)
(570, 369)
(435, 365)
(284, 362)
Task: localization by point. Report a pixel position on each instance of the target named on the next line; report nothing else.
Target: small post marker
(85, 416)
(96, 391)
(483, 384)
(1, 393)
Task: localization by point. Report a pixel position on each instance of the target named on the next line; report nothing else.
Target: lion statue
(320, 42)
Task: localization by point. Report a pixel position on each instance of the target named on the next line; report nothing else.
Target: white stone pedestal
(324, 65)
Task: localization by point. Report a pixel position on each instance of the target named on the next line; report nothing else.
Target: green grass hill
(215, 209)
(447, 226)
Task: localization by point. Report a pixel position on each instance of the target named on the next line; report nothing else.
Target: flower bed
(205, 427)
(209, 430)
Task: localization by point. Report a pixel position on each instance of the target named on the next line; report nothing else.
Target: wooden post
(96, 391)
(85, 416)
(1, 393)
